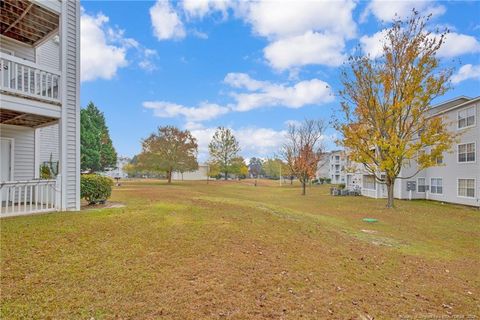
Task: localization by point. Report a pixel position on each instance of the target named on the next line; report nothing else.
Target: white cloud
(288, 18)
(205, 111)
(165, 21)
(253, 141)
(99, 58)
(466, 72)
(243, 80)
(386, 10)
(201, 8)
(260, 141)
(104, 50)
(265, 94)
(373, 45)
(309, 48)
(455, 44)
(458, 44)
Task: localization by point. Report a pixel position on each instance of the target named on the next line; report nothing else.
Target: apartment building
(39, 106)
(456, 178)
(333, 166)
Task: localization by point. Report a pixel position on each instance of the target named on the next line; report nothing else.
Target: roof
(453, 104)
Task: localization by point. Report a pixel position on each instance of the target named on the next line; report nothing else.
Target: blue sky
(250, 66)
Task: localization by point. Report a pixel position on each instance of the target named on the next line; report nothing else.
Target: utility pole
(280, 164)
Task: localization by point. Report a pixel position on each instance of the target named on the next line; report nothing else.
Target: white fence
(23, 197)
(26, 78)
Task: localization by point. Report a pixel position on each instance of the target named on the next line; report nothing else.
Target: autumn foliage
(302, 150)
(386, 103)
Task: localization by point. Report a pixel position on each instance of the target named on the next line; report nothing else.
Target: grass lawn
(229, 250)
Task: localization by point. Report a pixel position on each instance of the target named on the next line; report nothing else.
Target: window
(439, 160)
(466, 152)
(466, 188)
(421, 187)
(466, 118)
(369, 182)
(436, 185)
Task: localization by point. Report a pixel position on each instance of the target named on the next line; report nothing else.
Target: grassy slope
(230, 250)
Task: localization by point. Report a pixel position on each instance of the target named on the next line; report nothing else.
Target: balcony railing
(25, 78)
(23, 197)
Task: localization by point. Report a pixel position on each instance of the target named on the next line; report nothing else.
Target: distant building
(118, 171)
(200, 174)
(332, 166)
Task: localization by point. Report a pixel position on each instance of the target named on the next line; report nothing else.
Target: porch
(26, 153)
(25, 197)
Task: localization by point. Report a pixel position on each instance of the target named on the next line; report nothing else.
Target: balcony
(29, 22)
(26, 79)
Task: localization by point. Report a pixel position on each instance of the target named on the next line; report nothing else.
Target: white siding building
(39, 105)
(332, 166)
(118, 171)
(456, 178)
(200, 174)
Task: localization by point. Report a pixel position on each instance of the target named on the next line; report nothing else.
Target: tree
(168, 150)
(213, 169)
(302, 149)
(273, 168)
(224, 148)
(386, 103)
(255, 168)
(187, 165)
(239, 168)
(96, 149)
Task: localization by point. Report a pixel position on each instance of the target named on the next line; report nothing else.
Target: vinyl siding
(48, 143)
(24, 150)
(20, 50)
(70, 108)
(48, 54)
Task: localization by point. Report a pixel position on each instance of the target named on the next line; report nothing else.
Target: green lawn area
(229, 250)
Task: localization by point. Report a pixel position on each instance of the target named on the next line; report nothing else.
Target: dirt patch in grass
(230, 250)
(106, 205)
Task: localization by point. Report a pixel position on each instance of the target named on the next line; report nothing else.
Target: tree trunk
(291, 180)
(255, 182)
(390, 185)
(226, 175)
(169, 176)
(304, 187)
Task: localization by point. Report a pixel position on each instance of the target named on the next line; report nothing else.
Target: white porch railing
(23, 197)
(29, 79)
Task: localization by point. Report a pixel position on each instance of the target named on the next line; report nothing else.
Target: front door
(5, 164)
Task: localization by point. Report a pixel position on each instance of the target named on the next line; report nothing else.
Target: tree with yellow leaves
(386, 103)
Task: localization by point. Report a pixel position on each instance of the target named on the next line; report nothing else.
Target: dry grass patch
(229, 250)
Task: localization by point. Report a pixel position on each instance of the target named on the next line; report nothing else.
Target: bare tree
(302, 149)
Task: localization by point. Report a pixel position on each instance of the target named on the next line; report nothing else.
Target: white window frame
(475, 152)
(424, 185)
(474, 188)
(431, 186)
(474, 117)
(374, 182)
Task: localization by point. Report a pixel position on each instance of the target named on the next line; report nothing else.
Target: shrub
(95, 188)
(341, 186)
(45, 172)
(328, 180)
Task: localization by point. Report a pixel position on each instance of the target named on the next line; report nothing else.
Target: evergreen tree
(96, 149)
